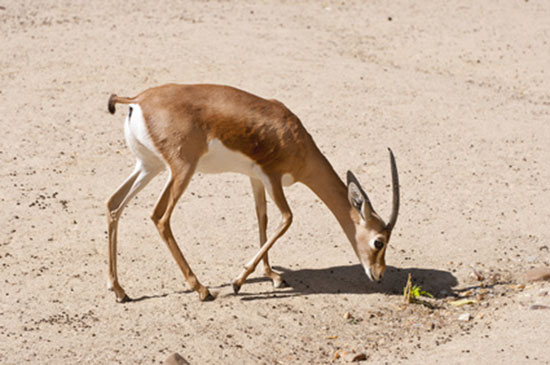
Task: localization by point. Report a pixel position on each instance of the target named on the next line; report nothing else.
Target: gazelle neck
(325, 183)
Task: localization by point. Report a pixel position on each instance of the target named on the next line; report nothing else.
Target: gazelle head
(372, 235)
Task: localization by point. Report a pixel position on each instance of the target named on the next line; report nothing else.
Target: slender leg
(115, 205)
(261, 213)
(175, 187)
(278, 197)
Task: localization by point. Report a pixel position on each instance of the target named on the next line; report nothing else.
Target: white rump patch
(139, 140)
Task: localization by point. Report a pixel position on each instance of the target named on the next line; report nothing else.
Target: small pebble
(347, 315)
(538, 274)
(429, 326)
(176, 359)
(465, 317)
(353, 357)
(538, 306)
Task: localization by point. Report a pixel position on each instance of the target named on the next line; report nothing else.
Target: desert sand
(461, 93)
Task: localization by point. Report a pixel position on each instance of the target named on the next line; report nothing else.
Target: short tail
(113, 100)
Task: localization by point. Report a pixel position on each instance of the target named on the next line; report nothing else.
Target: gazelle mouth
(369, 273)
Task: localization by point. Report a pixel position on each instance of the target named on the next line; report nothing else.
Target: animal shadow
(343, 280)
(353, 280)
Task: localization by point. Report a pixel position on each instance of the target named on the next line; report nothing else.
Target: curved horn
(395, 185)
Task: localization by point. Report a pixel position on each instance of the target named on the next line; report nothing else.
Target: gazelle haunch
(214, 129)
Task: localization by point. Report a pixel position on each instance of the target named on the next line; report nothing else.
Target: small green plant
(412, 293)
(417, 292)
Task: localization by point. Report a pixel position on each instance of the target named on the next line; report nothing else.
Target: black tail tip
(111, 105)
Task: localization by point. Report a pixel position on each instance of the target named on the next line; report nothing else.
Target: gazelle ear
(357, 196)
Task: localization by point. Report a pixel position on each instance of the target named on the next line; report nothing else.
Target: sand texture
(459, 90)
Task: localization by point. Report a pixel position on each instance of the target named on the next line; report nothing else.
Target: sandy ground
(460, 91)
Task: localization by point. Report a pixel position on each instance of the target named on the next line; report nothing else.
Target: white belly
(220, 159)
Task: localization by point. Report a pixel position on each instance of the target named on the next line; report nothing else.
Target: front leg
(261, 213)
(180, 176)
(278, 197)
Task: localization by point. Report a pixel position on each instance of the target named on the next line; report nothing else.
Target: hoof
(208, 298)
(236, 288)
(124, 299)
(280, 284)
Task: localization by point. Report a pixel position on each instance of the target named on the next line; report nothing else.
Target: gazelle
(214, 129)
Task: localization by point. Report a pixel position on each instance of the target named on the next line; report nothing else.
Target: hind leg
(139, 178)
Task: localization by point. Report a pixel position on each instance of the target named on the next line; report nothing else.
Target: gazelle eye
(378, 244)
